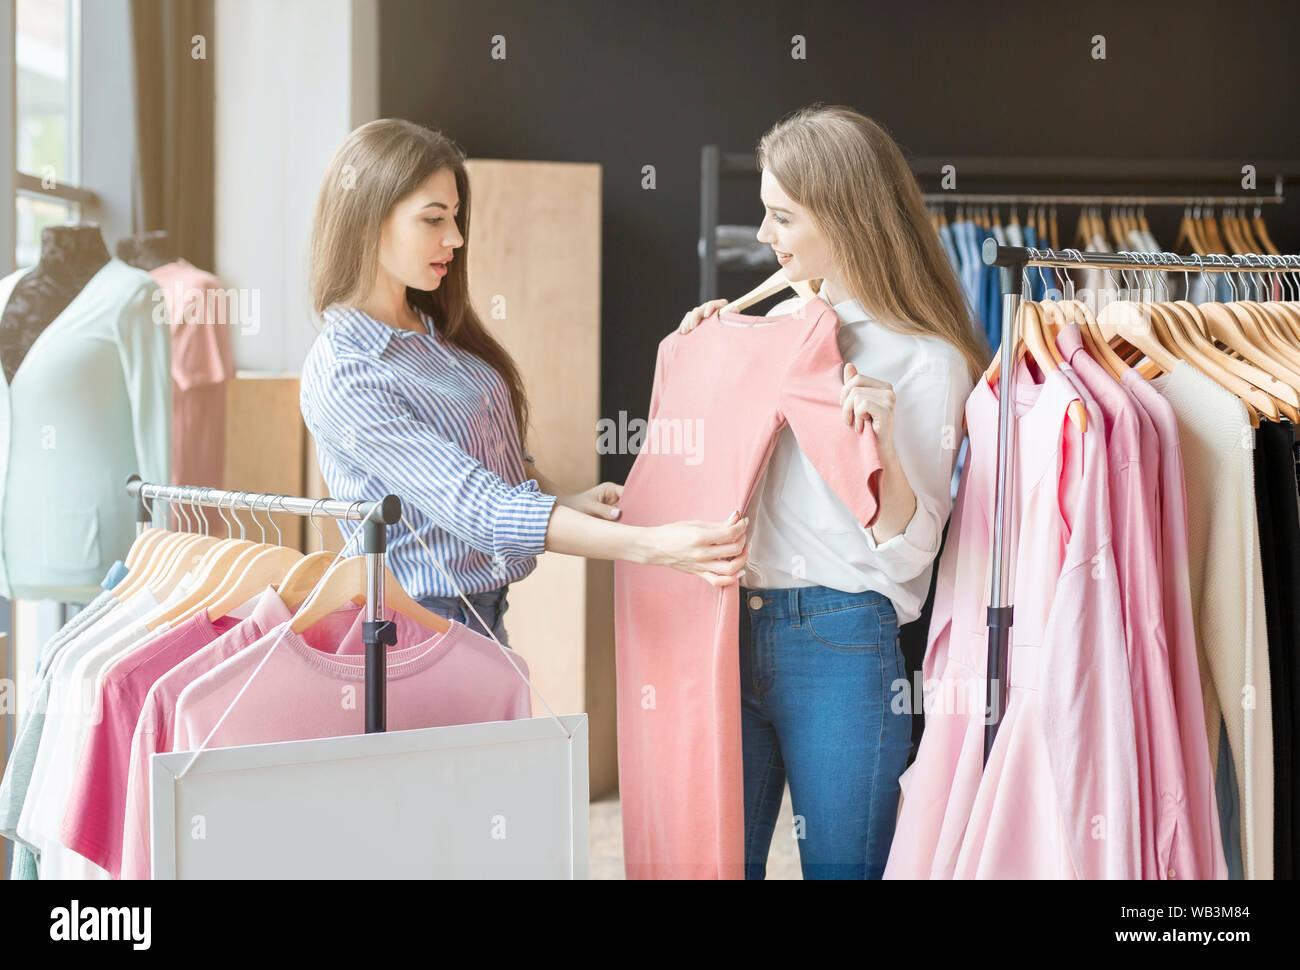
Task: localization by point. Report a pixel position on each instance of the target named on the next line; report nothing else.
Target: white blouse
(802, 534)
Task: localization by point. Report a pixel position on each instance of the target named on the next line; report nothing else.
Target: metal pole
(1000, 611)
(377, 633)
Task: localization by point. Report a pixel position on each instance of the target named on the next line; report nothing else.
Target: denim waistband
(488, 598)
(806, 600)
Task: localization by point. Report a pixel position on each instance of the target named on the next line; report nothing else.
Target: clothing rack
(998, 198)
(377, 634)
(1113, 176)
(1013, 261)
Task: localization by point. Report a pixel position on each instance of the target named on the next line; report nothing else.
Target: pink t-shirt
(302, 691)
(153, 729)
(92, 821)
(721, 395)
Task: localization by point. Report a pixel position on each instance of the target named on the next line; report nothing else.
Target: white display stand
(501, 800)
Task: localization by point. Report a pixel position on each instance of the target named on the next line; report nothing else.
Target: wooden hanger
(773, 284)
(1216, 242)
(303, 577)
(268, 568)
(141, 546)
(1098, 348)
(1189, 232)
(345, 581)
(214, 573)
(1033, 340)
(170, 561)
(1200, 350)
(211, 574)
(1241, 334)
(1262, 232)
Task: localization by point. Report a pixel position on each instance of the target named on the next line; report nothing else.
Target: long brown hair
(851, 175)
(379, 164)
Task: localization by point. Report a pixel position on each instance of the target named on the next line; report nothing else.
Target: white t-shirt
(802, 534)
(67, 722)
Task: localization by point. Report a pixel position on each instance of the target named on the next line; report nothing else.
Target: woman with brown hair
(406, 392)
(822, 598)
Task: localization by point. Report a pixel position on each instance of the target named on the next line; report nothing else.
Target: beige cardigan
(1227, 586)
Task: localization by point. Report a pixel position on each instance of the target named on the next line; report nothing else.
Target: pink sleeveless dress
(721, 394)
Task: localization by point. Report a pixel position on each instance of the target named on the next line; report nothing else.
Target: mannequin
(70, 256)
(147, 251)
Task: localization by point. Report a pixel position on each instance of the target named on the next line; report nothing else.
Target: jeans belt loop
(796, 617)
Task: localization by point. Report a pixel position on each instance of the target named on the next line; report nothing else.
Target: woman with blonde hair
(822, 598)
(406, 392)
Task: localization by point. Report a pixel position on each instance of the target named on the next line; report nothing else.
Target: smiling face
(420, 235)
(801, 249)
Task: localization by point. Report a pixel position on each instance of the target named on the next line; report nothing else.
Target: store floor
(607, 842)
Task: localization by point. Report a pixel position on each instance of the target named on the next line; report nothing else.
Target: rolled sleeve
(360, 421)
(521, 522)
(907, 554)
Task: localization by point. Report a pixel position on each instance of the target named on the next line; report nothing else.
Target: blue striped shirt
(402, 412)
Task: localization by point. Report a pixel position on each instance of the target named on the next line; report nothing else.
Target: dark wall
(634, 84)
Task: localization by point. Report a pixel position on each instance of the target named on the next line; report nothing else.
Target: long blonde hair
(379, 164)
(851, 175)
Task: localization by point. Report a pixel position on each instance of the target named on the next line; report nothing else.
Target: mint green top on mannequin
(89, 405)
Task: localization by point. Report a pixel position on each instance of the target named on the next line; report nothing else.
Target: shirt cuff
(522, 516)
(917, 542)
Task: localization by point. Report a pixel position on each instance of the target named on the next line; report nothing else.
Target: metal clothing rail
(999, 198)
(377, 634)
(1013, 260)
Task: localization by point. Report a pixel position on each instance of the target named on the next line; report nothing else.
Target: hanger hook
(230, 529)
(194, 509)
(1221, 259)
(252, 511)
(232, 523)
(178, 506)
(311, 518)
(279, 537)
(235, 499)
(1025, 290)
(148, 505)
(201, 511)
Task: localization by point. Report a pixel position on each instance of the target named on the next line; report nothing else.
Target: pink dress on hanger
(1133, 457)
(1058, 798)
(939, 786)
(721, 394)
(1200, 854)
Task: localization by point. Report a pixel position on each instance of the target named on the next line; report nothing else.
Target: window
(47, 121)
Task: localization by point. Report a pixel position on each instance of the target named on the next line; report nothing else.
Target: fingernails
(615, 513)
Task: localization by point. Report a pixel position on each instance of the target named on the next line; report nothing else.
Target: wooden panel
(534, 276)
(264, 448)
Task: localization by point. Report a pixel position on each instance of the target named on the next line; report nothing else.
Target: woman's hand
(692, 319)
(601, 501)
(714, 551)
(863, 398)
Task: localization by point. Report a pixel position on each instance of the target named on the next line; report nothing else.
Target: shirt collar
(363, 332)
(850, 311)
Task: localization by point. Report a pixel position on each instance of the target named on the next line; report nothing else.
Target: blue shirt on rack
(393, 411)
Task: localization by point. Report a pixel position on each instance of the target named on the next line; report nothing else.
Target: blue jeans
(491, 605)
(818, 671)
